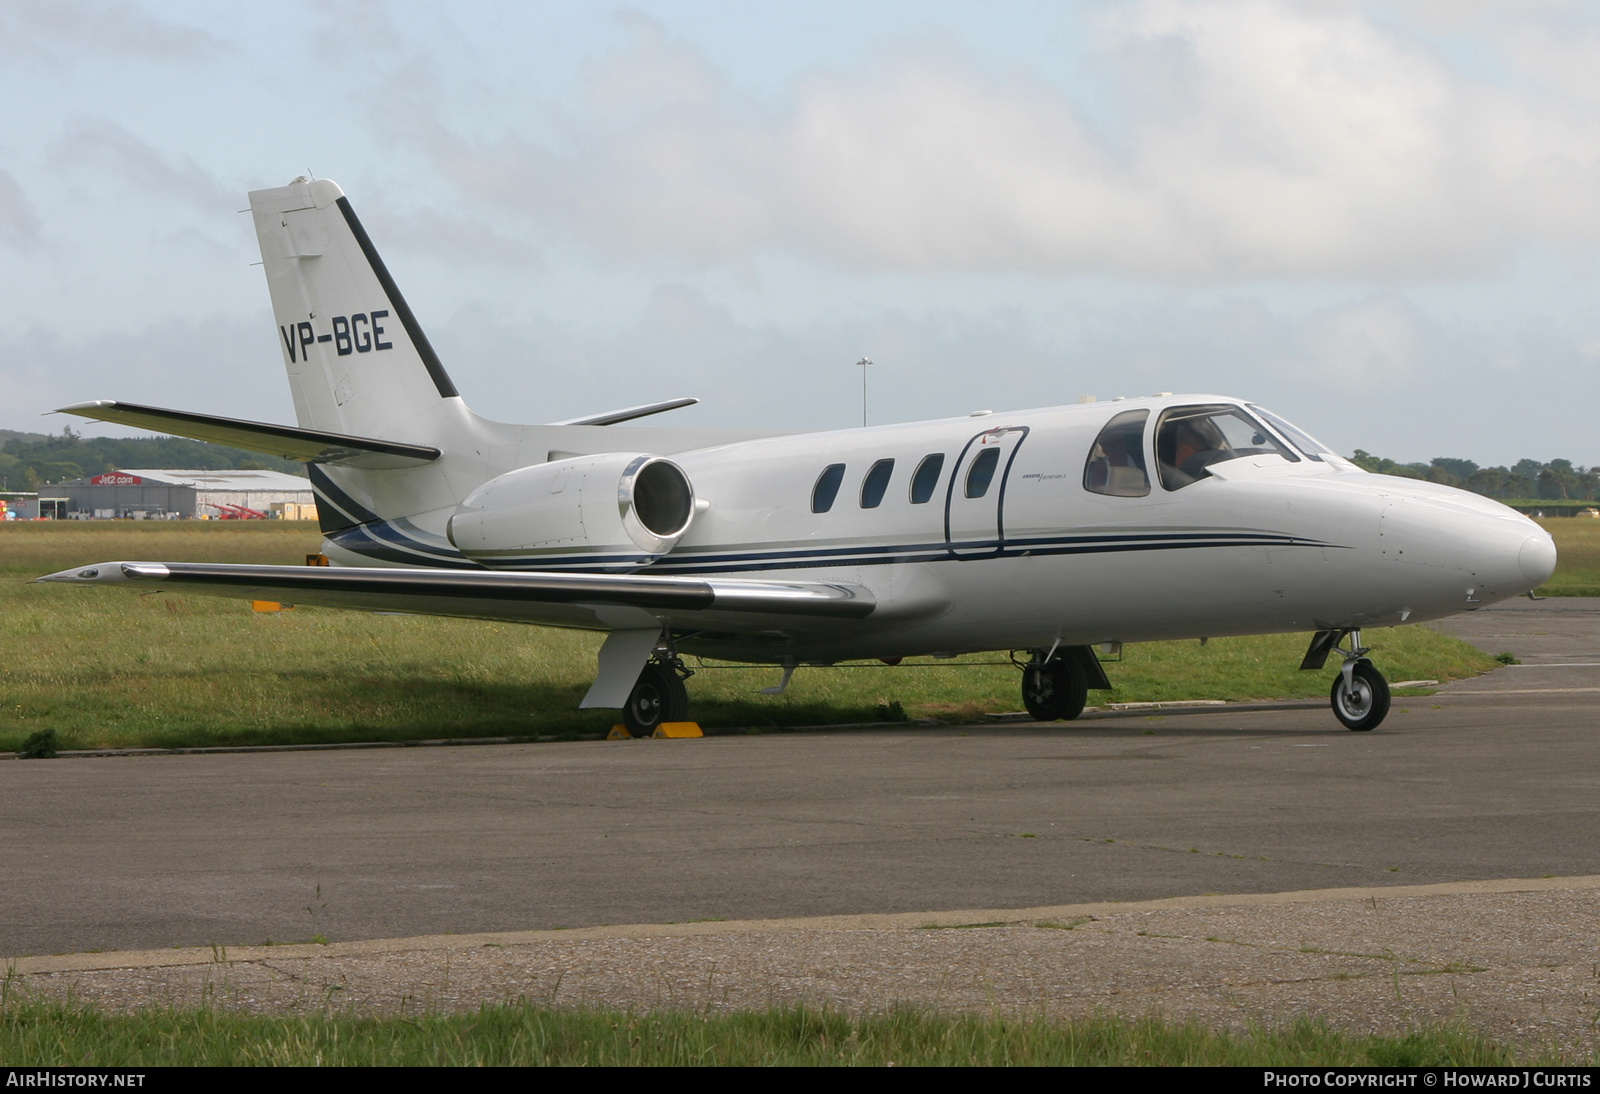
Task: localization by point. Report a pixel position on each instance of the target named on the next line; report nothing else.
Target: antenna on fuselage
(862, 364)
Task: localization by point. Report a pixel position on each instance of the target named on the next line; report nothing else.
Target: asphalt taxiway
(1494, 777)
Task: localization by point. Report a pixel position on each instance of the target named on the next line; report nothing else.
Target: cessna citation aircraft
(1043, 532)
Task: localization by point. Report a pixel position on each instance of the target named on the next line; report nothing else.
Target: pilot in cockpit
(1191, 439)
(1186, 450)
(1187, 444)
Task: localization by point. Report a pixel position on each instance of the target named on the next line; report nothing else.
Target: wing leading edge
(580, 600)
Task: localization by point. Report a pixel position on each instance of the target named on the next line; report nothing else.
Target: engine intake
(620, 509)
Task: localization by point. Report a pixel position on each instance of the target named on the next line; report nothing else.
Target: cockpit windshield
(1190, 439)
(1313, 448)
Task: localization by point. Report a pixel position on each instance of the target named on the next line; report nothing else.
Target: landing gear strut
(1054, 685)
(658, 696)
(1360, 694)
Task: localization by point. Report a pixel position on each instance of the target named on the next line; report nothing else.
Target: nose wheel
(1360, 696)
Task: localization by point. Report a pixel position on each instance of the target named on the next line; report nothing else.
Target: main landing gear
(1056, 682)
(658, 695)
(1360, 694)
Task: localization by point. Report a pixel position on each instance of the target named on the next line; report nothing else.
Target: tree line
(31, 460)
(1554, 481)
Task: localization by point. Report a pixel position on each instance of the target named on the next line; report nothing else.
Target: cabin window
(876, 482)
(1116, 462)
(981, 473)
(827, 488)
(1313, 448)
(926, 478)
(1190, 439)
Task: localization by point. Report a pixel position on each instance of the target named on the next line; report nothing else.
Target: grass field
(108, 667)
(1578, 557)
(42, 1034)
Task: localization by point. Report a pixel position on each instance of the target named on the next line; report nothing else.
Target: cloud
(217, 364)
(1254, 139)
(459, 239)
(19, 224)
(331, 39)
(1375, 371)
(101, 143)
(65, 30)
(1378, 342)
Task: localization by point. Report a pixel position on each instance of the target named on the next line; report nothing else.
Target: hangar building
(166, 494)
(18, 505)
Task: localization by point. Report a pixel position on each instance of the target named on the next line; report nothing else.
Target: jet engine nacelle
(627, 504)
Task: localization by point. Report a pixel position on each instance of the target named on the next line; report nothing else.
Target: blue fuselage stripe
(384, 540)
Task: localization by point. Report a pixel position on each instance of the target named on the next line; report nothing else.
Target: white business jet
(1043, 532)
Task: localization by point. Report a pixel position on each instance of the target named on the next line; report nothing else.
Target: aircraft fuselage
(1261, 543)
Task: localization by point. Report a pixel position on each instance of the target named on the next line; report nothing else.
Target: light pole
(862, 364)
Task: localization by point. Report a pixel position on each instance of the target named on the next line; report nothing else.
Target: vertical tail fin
(358, 361)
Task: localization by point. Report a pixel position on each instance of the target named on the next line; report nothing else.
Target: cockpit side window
(1116, 462)
(1190, 439)
(1313, 448)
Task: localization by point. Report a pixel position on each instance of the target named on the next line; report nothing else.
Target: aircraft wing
(574, 600)
(309, 445)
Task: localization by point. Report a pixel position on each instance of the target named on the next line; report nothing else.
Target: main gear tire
(658, 696)
(1054, 690)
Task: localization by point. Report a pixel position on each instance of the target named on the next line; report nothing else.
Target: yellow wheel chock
(673, 730)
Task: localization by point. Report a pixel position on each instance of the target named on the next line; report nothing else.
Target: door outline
(960, 470)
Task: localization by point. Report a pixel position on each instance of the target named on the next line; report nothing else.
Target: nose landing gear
(1360, 694)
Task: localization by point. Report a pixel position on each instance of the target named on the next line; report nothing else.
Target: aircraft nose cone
(1538, 558)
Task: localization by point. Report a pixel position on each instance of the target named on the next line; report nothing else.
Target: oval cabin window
(926, 478)
(827, 488)
(876, 483)
(981, 473)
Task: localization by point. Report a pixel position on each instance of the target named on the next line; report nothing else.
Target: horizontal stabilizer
(289, 442)
(529, 597)
(628, 414)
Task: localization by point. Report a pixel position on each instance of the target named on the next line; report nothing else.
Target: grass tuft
(44, 1034)
(40, 745)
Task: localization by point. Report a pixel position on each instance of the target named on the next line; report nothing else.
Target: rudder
(358, 362)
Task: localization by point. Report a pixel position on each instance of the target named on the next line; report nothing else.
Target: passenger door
(974, 507)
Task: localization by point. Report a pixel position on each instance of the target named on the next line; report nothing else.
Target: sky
(1380, 220)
